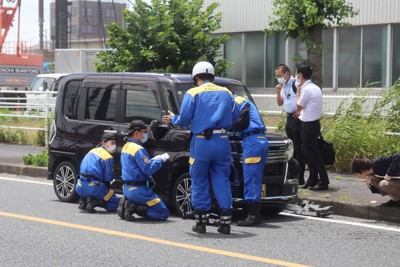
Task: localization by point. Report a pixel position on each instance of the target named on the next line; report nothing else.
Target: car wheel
(182, 195)
(64, 181)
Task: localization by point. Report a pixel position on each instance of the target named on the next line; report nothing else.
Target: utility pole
(61, 31)
(41, 20)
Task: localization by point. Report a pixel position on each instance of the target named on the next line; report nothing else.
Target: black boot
(201, 219)
(141, 210)
(225, 222)
(121, 208)
(253, 215)
(82, 203)
(130, 209)
(91, 203)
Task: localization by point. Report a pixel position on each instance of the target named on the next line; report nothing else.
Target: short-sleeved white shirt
(311, 101)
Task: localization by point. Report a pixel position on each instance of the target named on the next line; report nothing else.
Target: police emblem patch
(146, 160)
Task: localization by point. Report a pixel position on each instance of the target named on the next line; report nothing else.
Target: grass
(325, 195)
(345, 198)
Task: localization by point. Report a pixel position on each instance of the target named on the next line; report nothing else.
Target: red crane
(6, 20)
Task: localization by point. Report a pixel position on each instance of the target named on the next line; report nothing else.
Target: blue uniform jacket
(256, 122)
(98, 163)
(198, 109)
(136, 163)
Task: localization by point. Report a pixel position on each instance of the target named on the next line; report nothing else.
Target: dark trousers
(309, 136)
(293, 132)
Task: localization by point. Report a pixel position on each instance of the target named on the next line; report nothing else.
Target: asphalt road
(38, 230)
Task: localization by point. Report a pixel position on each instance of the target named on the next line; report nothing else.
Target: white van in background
(40, 88)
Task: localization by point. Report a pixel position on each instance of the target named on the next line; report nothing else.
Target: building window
(374, 56)
(255, 59)
(109, 13)
(74, 11)
(349, 57)
(87, 29)
(274, 55)
(233, 53)
(327, 58)
(396, 53)
(87, 12)
(74, 29)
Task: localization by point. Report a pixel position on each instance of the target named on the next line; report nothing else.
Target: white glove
(164, 157)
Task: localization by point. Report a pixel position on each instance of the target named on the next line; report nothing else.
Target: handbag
(327, 150)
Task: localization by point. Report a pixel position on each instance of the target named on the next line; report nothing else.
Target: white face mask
(144, 139)
(298, 80)
(111, 148)
(281, 80)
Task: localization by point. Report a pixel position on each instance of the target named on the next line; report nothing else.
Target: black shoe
(250, 220)
(391, 203)
(121, 208)
(224, 229)
(82, 203)
(130, 209)
(199, 228)
(320, 187)
(91, 203)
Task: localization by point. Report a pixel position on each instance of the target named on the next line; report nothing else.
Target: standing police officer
(209, 109)
(255, 151)
(137, 169)
(95, 175)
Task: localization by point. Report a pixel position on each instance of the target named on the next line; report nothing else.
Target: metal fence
(27, 104)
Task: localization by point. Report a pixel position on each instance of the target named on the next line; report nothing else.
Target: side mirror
(157, 130)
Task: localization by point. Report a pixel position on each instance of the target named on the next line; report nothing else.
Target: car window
(141, 103)
(101, 103)
(71, 99)
(169, 95)
(43, 84)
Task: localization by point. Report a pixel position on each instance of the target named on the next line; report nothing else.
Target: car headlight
(289, 149)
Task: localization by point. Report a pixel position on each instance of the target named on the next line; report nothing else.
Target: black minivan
(89, 103)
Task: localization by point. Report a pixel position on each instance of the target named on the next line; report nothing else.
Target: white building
(367, 52)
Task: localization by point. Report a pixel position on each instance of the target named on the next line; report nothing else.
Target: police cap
(135, 125)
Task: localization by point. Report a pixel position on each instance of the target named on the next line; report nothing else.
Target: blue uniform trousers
(255, 151)
(99, 190)
(141, 195)
(210, 161)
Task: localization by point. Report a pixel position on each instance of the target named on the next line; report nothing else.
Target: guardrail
(28, 104)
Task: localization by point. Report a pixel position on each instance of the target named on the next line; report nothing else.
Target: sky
(29, 29)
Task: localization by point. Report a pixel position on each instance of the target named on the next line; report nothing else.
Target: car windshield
(239, 90)
(42, 84)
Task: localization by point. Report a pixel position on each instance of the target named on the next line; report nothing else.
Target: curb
(26, 170)
(370, 211)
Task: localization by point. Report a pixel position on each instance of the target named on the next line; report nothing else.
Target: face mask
(144, 139)
(298, 80)
(281, 80)
(111, 148)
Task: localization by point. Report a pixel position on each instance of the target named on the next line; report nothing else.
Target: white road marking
(25, 181)
(385, 228)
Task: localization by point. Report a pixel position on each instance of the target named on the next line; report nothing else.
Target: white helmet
(203, 67)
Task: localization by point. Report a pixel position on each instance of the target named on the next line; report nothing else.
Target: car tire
(64, 181)
(182, 196)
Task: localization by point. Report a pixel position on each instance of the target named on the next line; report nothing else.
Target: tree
(165, 36)
(305, 20)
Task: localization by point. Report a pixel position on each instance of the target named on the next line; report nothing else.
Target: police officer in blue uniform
(95, 176)
(209, 109)
(255, 151)
(137, 168)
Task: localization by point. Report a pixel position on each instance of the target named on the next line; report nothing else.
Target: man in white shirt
(309, 108)
(286, 96)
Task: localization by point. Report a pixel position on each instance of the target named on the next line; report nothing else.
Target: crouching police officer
(255, 151)
(209, 109)
(95, 175)
(137, 168)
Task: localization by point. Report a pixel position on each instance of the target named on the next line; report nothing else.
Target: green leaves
(166, 36)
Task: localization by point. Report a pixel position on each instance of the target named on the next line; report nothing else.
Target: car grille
(276, 151)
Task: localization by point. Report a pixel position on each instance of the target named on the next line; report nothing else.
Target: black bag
(327, 151)
(244, 120)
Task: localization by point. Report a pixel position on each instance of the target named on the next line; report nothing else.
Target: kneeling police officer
(95, 176)
(137, 169)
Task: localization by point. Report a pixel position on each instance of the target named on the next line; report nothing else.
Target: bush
(36, 160)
